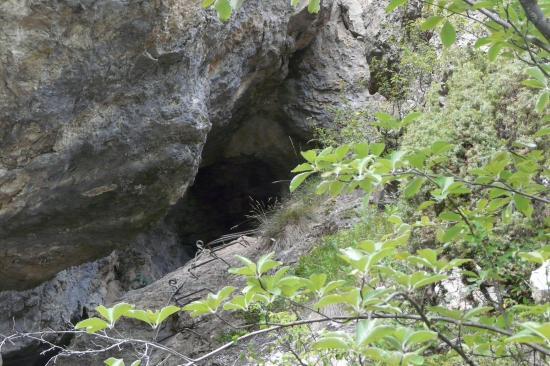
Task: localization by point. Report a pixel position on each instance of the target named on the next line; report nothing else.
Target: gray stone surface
(76, 291)
(540, 283)
(104, 110)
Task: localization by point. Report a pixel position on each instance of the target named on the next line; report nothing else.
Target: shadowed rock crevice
(247, 161)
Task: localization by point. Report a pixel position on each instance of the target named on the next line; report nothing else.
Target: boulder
(105, 107)
(74, 292)
(540, 283)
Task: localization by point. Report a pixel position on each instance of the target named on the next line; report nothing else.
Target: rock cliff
(109, 109)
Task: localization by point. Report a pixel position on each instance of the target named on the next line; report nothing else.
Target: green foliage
(480, 111)
(120, 362)
(213, 301)
(479, 200)
(153, 318)
(405, 343)
(324, 257)
(112, 314)
(347, 126)
(394, 276)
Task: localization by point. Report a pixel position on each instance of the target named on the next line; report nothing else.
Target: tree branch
(495, 18)
(536, 16)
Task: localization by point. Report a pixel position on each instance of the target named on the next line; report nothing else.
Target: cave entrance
(222, 197)
(245, 164)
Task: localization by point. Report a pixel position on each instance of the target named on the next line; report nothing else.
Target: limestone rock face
(104, 110)
(76, 291)
(540, 283)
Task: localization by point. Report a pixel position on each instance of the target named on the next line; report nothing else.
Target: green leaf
(457, 262)
(248, 270)
(458, 188)
(431, 22)
(454, 314)
(197, 308)
(483, 42)
(336, 187)
(497, 203)
(429, 280)
(425, 205)
(414, 359)
(543, 132)
(484, 5)
(532, 83)
(429, 255)
(314, 6)
(475, 312)
(207, 3)
(309, 155)
(368, 331)
(448, 34)
(450, 216)
(413, 187)
(223, 294)
(305, 167)
(165, 312)
(236, 4)
(298, 180)
(533, 333)
(523, 204)
(377, 149)
(331, 343)
(114, 313)
(533, 257)
(317, 280)
(387, 121)
(92, 325)
(396, 157)
(394, 4)
(136, 363)
(542, 101)
(361, 149)
(417, 159)
(494, 50)
(224, 9)
(154, 318)
(328, 300)
(237, 303)
(265, 263)
(143, 315)
(114, 362)
(451, 233)
(536, 74)
(420, 336)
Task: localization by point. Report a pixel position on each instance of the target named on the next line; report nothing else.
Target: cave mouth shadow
(224, 196)
(36, 353)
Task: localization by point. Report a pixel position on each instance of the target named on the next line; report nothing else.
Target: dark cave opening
(222, 198)
(35, 354)
(28, 356)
